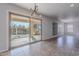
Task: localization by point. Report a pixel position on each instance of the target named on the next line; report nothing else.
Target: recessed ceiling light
(71, 5)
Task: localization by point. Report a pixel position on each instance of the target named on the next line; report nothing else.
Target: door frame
(9, 13)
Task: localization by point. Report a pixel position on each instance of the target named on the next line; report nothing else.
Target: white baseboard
(3, 51)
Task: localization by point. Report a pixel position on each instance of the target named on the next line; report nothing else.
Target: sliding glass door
(24, 30)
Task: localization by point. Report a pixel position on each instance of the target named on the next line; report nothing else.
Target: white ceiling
(52, 9)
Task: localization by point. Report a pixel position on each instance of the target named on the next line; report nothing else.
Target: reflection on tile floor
(61, 46)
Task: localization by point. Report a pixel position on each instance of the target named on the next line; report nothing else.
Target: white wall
(47, 28)
(4, 24)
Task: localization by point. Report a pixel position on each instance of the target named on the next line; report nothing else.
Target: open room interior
(39, 29)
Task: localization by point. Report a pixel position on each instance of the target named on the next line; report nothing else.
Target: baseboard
(54, 36)
(51, 37)
(3, 51)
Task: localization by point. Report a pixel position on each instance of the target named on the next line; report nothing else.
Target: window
(70, 28)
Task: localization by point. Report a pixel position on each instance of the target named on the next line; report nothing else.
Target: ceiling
(52, 9)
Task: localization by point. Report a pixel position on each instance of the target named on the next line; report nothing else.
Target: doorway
(24, 30)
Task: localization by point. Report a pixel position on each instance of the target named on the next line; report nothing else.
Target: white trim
(3, 51)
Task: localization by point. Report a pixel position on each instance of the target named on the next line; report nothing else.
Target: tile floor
(61, 46)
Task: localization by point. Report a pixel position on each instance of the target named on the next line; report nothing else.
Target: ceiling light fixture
(71, 5)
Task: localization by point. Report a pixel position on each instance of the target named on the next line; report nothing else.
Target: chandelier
(35, 10)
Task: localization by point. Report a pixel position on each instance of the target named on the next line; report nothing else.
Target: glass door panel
(35, 30)
(69, 28)
(19, 27)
